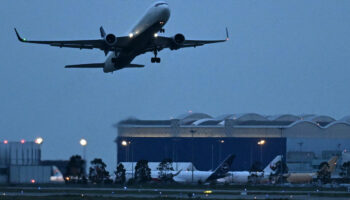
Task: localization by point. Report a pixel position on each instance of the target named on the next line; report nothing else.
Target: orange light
(6, 141)
(124, 143)
(23, 141)
(32, 181)
(261, 142)
(67, 178)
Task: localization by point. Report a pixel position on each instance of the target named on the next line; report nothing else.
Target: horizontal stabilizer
(91, 65)
(134, 65)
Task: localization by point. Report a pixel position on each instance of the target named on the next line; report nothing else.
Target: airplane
(186, 176)
(142, 38)
(325, 169)
(206, 176)
(243, 177)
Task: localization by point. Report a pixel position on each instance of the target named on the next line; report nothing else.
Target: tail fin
(273, 165)
(222, 169)
(332, 163)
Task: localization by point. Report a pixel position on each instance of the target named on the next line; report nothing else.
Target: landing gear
(162, 30)
(155, 59)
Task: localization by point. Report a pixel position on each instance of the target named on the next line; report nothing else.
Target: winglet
(19, 37)
(102, 32)
(177, 173)
(227, 37)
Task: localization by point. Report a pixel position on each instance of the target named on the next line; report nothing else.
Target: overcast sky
(282, 57)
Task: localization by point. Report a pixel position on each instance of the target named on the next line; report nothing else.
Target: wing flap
(81, 44)
(167, 42)
(91, 65)
(134, 65)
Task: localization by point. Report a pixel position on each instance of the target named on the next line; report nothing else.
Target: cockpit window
(158, 4)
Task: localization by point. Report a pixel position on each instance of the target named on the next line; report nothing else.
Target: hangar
(304, 140)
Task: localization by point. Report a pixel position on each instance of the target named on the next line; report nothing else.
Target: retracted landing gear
(155, 59)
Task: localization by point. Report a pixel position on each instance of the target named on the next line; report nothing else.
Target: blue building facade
(207, 140)
(205, 152)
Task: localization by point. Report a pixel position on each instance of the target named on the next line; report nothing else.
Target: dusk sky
(283, 57)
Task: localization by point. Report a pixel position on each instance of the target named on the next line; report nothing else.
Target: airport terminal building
(304, 140)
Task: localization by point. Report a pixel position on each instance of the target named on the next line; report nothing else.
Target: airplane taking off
(141, 39)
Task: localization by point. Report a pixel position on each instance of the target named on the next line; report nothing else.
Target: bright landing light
(156, 35)
(131, 35)
(261, 142)
(39, 140)
(83, 142)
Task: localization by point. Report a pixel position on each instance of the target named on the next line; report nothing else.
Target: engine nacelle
(111, 39)
(179, 39)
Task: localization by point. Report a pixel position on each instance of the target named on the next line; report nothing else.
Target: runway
(140, 193)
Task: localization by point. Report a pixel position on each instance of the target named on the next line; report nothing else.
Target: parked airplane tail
(330, 165)
(274, 166)
(222, 170)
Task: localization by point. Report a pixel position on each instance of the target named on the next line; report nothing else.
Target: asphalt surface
(176, 193)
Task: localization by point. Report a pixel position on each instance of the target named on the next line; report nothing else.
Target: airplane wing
(81, 44)
(168, 42)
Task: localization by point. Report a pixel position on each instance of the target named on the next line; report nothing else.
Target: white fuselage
(186, 176)
(140, 36)
(182, 177)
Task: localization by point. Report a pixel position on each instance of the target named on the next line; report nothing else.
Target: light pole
(192, 132)
(39, 141)
(220, 149)
(212, 157)
(83, 143)
(127, 145)
(261, 144)
(300, 145)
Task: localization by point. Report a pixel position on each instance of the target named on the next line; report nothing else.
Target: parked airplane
(206, 176)
(186, 176)
(242, 177)
(141, 39)
(325, 170)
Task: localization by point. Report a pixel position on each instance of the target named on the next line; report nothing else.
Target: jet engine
(111, 39)
(179, 39)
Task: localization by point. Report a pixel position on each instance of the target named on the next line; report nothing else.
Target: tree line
(97, 173)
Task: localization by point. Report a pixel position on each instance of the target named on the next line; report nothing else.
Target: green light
(24, 39)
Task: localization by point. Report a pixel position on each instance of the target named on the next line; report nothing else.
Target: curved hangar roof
(248, 119)
(254, 119)
(312, 126)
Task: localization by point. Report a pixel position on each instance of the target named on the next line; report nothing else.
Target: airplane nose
(166, 12)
